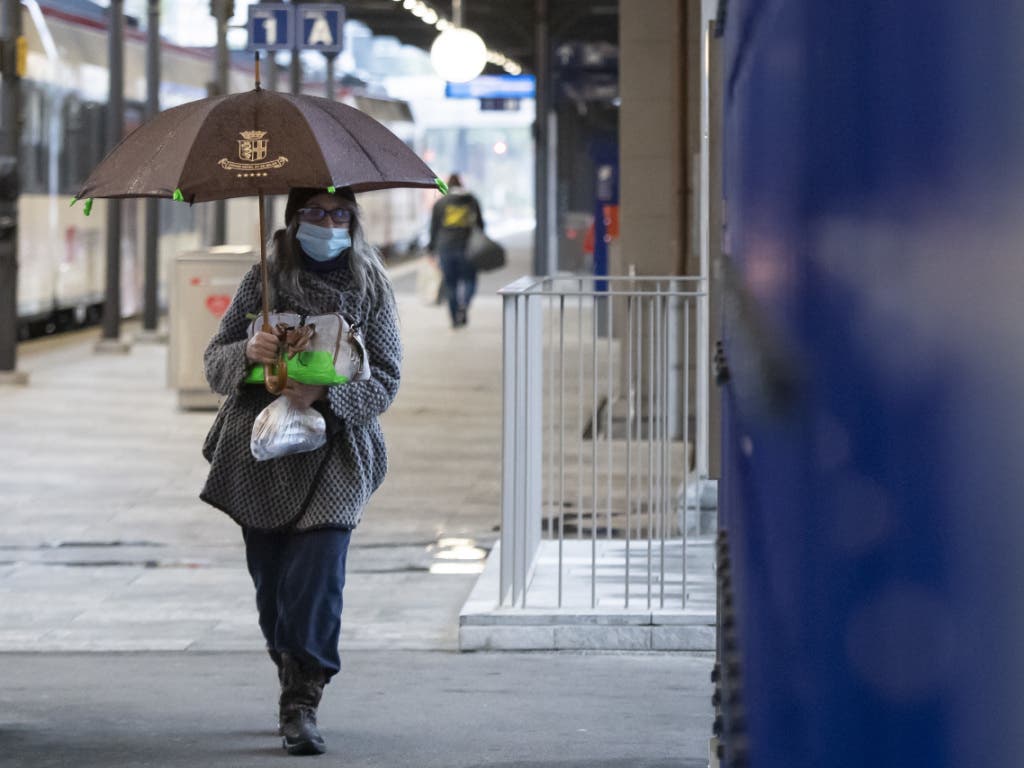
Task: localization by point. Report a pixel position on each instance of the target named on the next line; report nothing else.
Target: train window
(82, 148)
(34, 153)
(71, 156)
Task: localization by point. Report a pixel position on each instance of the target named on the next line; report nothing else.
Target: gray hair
(372, 282)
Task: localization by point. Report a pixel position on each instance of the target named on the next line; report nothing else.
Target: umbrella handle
(275, 375)
(278, 370)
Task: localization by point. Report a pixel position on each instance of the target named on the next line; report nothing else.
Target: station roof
(506, 26)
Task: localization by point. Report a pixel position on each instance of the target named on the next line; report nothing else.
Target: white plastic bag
(283, 428)
(429, 281)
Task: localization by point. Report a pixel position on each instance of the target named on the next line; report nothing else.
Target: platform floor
(106, 545)
(585, 608)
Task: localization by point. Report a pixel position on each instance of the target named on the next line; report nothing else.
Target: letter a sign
(321, 27)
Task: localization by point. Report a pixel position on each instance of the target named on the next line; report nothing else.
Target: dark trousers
(459, 281)
(299, 578)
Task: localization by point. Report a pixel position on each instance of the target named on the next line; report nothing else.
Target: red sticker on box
(218, 304)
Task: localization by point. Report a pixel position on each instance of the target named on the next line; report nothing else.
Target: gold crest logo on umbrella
(252, 148)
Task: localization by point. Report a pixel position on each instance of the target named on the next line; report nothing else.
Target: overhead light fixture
(458, 54)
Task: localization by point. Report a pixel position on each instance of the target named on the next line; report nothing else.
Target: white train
(61, 252)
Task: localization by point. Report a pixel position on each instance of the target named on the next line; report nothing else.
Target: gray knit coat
(328, 487)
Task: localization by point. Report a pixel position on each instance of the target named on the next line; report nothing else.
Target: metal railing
(600, 403)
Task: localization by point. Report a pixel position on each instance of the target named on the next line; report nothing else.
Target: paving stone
(683, 637)
(602, 638)
(506, 638)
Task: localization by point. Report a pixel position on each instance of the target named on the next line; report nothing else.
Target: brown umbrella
(256, 143)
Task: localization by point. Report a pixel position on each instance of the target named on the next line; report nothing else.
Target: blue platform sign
(320, 27)
(493, 87)
(271, 27)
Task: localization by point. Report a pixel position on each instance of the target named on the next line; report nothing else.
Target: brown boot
(301, 689)
(276, 658)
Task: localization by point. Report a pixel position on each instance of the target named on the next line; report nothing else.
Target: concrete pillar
(658, 144)
(110, 341)
(654, 175)
(222, 11)
(662, 175)
(150, 305)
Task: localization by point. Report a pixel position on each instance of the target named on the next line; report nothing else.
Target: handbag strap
(295, 339)
(337, 338)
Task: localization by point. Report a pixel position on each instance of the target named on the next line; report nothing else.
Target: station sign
(271, 27)
(493, 87)
(286, 26)
(587, 57)
(499, 105)
(320, 27)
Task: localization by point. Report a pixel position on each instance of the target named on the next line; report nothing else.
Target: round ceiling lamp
(458, 54)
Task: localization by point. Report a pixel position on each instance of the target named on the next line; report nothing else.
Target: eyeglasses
(338, 215)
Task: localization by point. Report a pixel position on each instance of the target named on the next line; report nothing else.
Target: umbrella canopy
(257, 142)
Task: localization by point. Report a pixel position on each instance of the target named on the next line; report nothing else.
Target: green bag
(328, 349)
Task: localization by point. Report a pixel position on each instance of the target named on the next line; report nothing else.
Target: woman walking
(297, 513)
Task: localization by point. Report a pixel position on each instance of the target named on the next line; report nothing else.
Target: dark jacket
(322, 488)
(453, 218)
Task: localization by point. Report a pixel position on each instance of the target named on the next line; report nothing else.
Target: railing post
(509, 479)
(533, 379)
(522, 446)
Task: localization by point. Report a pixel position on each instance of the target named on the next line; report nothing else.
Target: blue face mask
(323, 243)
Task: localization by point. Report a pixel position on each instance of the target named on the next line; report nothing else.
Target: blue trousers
(299, 578)
(459, 280)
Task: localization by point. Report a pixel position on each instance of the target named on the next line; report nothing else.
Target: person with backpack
(453, 219)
